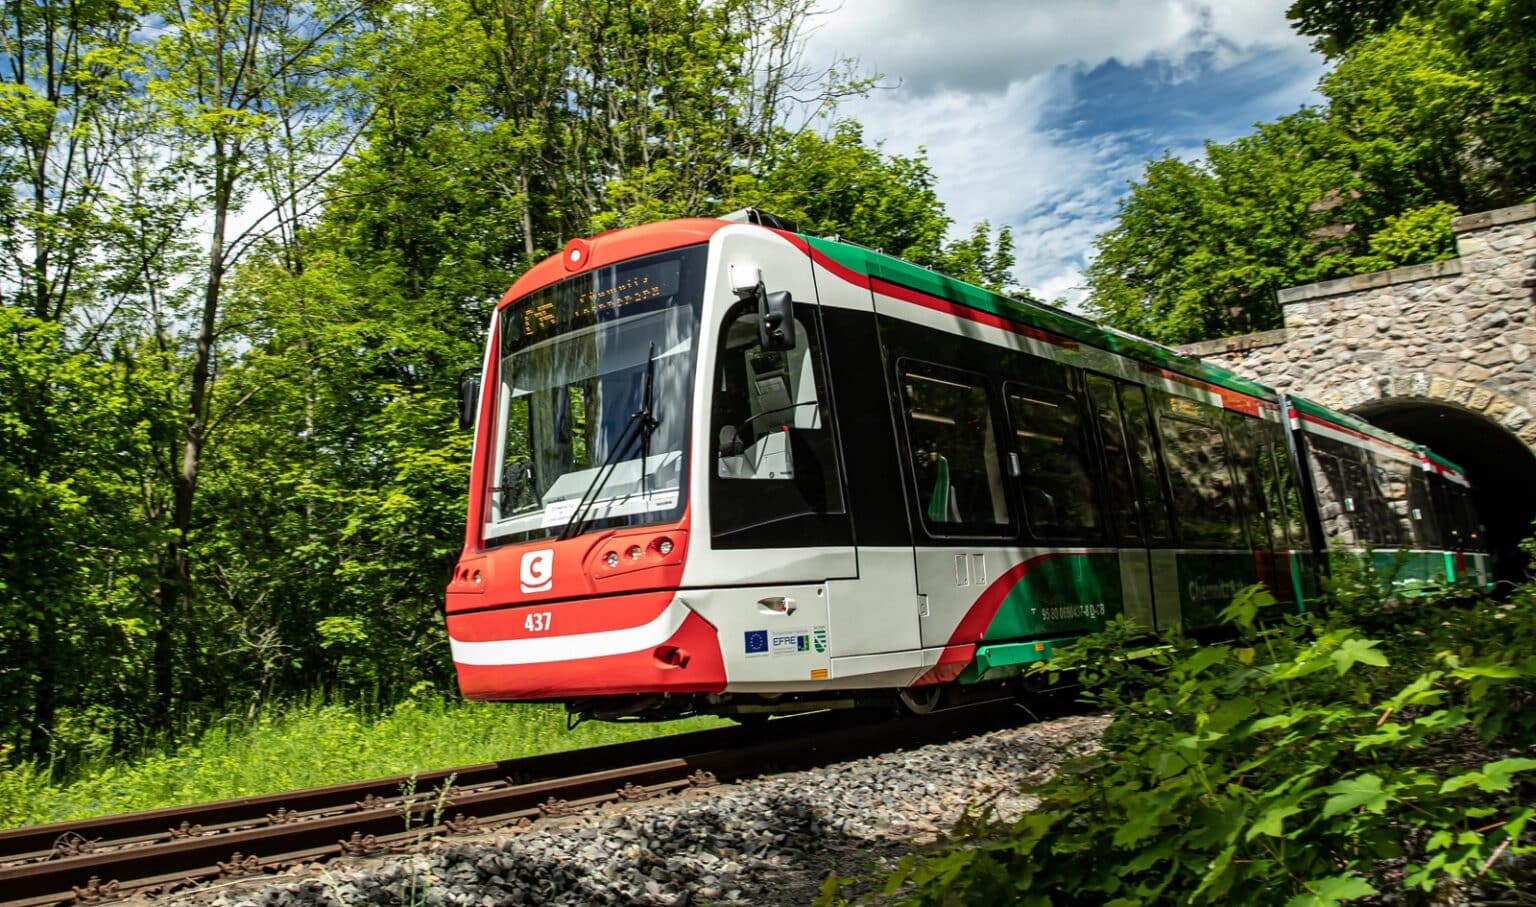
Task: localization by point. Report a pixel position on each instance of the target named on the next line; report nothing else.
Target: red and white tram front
(586, 493)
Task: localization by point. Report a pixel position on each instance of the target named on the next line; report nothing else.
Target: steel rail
(250, 835)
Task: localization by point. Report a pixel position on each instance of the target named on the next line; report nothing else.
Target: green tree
(73, 573)
(65, 109)
(1337, 25)
(242, 92)
(1407, 114)
(1414, 128)
(1199, 250)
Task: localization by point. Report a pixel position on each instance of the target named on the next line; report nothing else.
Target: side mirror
(469, 397)
(776, 319)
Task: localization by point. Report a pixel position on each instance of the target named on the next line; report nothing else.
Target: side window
(955, 461)
(1287, 526)
(1289, 489)
(1138, 426)
(1119, 472)
(1453, 528)
(1466, 533)
(774, 454)
(1335, 501)
(1272, 473)
(1249, 460)
(1204, 493)
(761, 396)
(1394, 524)
(1356, 495)
(1057, 470)
(1421, 511)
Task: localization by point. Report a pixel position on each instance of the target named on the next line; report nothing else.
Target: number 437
(537, 622)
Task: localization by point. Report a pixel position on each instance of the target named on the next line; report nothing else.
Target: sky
(1037, 113)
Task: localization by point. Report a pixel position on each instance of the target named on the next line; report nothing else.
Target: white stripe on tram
(573, 646)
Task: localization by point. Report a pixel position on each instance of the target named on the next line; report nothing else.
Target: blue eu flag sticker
(757, 642)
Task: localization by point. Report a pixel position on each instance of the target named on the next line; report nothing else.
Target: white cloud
(985, 45)
(981, 85)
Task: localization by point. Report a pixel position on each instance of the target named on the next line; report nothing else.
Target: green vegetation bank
(1383, 747)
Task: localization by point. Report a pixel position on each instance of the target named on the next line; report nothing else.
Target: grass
(307, 746)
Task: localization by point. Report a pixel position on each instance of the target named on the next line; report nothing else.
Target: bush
(1312, 760)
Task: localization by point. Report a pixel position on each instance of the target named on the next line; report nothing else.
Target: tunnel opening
(1501, 468)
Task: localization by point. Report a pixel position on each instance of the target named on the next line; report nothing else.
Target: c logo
(537, 573)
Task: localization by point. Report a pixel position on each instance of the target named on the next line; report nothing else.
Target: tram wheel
(921, 700)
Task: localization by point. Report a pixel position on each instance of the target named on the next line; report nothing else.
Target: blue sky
(1036, 113)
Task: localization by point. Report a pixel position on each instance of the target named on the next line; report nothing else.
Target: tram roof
(1355, 423)
(1047, 318)
(1037, 315)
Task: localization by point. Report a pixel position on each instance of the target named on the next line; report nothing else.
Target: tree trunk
(175, 584)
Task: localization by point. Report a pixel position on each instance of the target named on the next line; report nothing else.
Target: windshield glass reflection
(574, 359)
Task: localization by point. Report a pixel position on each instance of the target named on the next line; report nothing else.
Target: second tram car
(721, 466)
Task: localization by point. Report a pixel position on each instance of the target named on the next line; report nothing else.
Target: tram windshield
(594, 398)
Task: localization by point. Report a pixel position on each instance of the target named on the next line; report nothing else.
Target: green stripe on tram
(875, 264)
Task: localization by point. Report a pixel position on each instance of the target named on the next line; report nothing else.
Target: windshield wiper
(640, 426)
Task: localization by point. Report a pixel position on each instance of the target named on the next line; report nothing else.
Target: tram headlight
(611, 559)
(664, 547)
(634, 552)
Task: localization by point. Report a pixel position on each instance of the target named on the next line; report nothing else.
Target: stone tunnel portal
(1502, 469)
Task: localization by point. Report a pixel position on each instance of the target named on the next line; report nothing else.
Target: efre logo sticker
(537, 573)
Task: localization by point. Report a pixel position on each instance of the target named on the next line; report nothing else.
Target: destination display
(607, 294)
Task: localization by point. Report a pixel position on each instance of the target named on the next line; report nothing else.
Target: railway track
(99, 860)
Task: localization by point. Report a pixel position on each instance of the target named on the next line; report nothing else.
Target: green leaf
(1495, 776)
(1332, 890)
(1496, 671)
(1202, 659)
(1272, 821)
(1357, 651)
(1352, 793)
(1229, 713)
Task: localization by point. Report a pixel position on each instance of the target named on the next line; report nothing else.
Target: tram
(724, 467)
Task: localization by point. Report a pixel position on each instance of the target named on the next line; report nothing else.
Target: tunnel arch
(1501, 467)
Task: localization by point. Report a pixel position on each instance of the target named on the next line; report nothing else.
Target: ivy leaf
(1364, 790)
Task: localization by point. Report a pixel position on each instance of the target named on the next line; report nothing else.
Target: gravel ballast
(770, 840)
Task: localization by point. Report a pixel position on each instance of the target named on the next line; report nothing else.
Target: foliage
(1340, 24)
(245, 251)
(836, 184)
(1427, 110)
(72, 568)
(1200, 250)
(1314, 759)
(1422, 234)
(307, 745)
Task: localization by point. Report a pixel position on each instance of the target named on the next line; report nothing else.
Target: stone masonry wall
(1461, 332)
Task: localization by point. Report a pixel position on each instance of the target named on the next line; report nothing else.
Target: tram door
(1137, 500)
